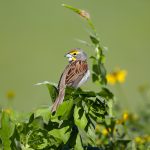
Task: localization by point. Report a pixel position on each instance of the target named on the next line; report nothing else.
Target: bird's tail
(58, 100)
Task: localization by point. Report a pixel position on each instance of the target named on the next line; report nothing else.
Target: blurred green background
(35, 35)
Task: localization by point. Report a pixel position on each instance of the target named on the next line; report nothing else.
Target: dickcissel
(74, 75)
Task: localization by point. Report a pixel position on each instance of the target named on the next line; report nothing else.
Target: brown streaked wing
(77, 69)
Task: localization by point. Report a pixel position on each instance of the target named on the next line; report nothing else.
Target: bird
(74, 75)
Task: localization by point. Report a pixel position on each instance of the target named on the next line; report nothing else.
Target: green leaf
(31, 118)
(80, 117)
(94, 39)
(122, 143)
(103, 73)
(60, 134)
(39, 139)
(6, 130)
(27, 148)
(97, 108)
(64, 109)
(78, 145)
(44, 113)
(76, 10)
(22, 117)
(52, 91)
(96, 69)
(95, 78)
(52, 88)
(91, 134)
(93, 57)
(106, 94)
(88, 137)
(84, 93)
(37, 123)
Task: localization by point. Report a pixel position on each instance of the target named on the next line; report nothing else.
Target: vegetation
(85, 120)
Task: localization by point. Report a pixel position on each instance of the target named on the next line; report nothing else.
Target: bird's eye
(74, 54)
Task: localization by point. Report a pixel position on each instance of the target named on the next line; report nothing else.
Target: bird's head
(76, 54)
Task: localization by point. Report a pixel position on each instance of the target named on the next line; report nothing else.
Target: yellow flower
(111, 79)
(125, 116)
(105, 132)
(142, 139)
(121, 75)
(8, 111)
(10, 95)
(116, 76)
(139, 140)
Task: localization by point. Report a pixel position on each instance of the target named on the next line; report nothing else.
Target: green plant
(84, 120)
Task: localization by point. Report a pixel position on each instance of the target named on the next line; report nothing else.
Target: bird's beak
(70, 57)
